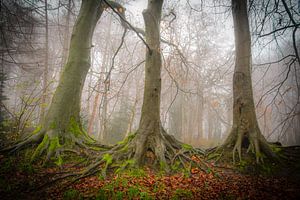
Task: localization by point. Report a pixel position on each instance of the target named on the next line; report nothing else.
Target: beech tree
(61, 129)
(245, 129)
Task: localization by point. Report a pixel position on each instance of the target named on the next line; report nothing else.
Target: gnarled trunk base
(253, 141)
(53, 143)
(158, 150)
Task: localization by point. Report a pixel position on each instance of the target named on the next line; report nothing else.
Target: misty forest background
(196, 98)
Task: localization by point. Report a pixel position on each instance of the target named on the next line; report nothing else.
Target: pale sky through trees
(204, 37)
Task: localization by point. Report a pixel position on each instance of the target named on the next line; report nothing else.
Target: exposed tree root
(159, 151)
(253, 141)
(54, 143)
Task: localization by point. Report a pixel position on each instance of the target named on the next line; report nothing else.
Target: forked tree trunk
(245, 128)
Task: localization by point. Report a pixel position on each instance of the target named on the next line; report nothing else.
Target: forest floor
(20, 180)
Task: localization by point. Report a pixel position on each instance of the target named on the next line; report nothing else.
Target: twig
(123, 19)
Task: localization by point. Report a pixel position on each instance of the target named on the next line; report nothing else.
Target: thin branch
(121, 13)
(114, 56)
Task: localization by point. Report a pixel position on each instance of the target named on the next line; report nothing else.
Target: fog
(196, 99)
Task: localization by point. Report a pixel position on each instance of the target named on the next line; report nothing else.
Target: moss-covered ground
(19, 179)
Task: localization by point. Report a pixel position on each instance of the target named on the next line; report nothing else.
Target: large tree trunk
(61, 125)
(245, 129)
(65, 104)
(149, 130)
(150, 138)
(66, 35)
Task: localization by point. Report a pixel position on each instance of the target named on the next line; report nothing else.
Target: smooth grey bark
(66, 40)
(150, 126)
(245, 125)
(66, 100)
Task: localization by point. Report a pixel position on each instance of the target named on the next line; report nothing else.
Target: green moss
(125, 142)
(74, 127)
(36, 130)
(40, 148)
(276, 149)
(187, 146)
(59, 161)
(119, 195)
(53, 125)
(127, 163)
(162, 165)
(96, 148)
(127, 139)
(102, 195)
(159, 186)
(136, 172)
(213, 155)
(133, 192)
(182, 193)
(107, 158)
(72, 194)
(175, 166)
(242, 165)
(125, 148)
(54, 143)
(145, 196)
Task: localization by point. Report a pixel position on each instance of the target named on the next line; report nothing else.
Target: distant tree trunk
(132, 115)
(94, 110)
(200, 109)
(99, 85)
(43, 103)
(133, 109)
(103, 114)
(191, 122)
(210, 124)
(62, 124)
(245, 126)
(176, 115)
